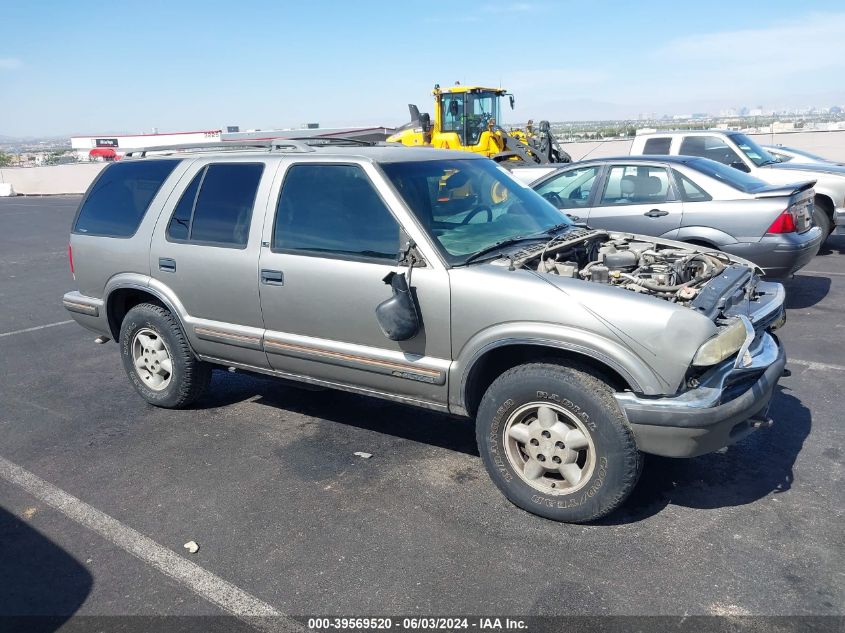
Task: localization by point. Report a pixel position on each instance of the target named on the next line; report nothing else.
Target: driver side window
(570, 189)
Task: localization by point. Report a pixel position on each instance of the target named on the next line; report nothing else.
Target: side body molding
(634, 370)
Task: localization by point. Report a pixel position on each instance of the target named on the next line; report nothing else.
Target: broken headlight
(725, 344)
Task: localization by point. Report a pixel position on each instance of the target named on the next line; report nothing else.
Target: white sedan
(785, 154)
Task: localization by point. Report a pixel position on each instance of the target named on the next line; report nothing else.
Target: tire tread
(583, 377)
(197, 374)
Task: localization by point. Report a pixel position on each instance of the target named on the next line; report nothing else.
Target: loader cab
(467, 111)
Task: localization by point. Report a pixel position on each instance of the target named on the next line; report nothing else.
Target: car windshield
(468, 206)
(727, 175)
(755, 153)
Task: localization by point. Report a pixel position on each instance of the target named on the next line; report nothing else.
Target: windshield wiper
(557, 227)
(497, 246)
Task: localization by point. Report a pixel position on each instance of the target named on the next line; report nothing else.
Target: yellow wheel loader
(466, 118)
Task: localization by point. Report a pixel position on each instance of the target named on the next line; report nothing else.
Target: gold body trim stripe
(432, 373)
(82, 308)
(219, 336)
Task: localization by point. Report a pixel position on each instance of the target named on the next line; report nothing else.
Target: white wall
(54, 179)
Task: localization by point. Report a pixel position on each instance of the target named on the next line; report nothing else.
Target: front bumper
(839, 221)
(713, 415)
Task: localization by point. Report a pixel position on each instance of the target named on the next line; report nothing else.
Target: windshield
(755, 153)
(727, 175)
(470, 205)
(481, 108)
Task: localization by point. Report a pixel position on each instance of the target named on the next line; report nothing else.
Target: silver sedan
(689, 199)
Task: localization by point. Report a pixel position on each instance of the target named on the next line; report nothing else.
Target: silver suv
(435, 279)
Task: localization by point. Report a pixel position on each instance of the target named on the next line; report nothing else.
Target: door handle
(167, 264)
(574, 218)
(655, 213)
(272, 277)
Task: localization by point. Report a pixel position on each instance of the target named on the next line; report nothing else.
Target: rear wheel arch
(702, 243)
(122, 299)
(825, 202)
(496, 361)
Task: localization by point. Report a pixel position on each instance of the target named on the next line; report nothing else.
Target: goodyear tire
(555, 442)
(158, 359)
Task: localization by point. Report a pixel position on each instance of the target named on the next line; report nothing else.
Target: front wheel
(555, 442)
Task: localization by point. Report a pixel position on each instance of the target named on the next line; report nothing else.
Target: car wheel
(158, 359)
(822, 220)
(555, 442)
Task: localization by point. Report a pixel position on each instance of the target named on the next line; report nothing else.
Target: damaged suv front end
(729, 381)
(726, 392)
(719, 333)
(689, 330)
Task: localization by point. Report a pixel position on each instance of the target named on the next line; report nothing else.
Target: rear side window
(180, 223)
(690, 192)
(657, 145)
(216, 207)
(334, 210)
(120, 197)
(636, 184)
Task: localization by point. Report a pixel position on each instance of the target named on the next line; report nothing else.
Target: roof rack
(273, 145)
(332, 140)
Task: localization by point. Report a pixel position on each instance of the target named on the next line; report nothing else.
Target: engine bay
(675, 274)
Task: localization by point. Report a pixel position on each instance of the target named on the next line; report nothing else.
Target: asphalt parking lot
(264, 478)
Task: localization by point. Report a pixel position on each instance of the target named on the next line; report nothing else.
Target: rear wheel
(822, 216)
(555, 442)
(158, 359)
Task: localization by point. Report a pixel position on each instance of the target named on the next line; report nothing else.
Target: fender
(836, 196)
(633, 369)
(160, 291)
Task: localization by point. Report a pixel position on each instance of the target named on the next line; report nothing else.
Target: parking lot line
(205, 584)
(811, 364)
(37, 327)
(819, 273)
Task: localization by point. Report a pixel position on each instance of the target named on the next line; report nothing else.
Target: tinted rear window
(727, 175)
(216, 207)
(657, 145)
(120, 197)
(223, 210)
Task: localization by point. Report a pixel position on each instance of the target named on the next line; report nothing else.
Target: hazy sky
(98, 67)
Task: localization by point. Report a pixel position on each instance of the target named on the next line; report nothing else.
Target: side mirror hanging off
(398, 317)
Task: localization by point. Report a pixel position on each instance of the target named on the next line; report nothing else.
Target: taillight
(784, 223)
(70, 260)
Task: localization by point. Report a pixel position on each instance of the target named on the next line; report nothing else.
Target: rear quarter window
(120, 197)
